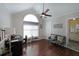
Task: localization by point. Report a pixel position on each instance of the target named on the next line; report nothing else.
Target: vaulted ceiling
(56, 9)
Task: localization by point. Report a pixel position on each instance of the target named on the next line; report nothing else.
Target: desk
(16, 48)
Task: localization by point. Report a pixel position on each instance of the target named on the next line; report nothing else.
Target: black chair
(25, 39)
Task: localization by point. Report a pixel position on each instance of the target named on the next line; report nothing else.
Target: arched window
(30, 18)
(30, 26)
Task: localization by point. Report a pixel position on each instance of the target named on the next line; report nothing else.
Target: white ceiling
(56, 9)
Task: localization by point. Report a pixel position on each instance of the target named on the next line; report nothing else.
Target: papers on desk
(14, 40)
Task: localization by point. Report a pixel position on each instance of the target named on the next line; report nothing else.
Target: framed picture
(58, 25)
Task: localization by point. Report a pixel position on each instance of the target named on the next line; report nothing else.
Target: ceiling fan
(44, 12)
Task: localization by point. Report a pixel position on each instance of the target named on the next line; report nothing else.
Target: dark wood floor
(43, 48)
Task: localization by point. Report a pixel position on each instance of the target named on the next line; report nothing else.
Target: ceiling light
(74, 18)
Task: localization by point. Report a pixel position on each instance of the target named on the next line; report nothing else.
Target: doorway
(74, 34)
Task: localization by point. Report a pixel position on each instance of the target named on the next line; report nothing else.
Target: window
(31, 30)
(30, 18)
(30, 26)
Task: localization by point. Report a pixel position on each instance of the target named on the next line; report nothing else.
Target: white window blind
(30, 30)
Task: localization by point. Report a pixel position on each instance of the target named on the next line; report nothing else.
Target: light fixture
(43, 15)
(74, 18)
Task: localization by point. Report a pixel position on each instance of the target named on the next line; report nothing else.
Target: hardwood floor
(43, 48)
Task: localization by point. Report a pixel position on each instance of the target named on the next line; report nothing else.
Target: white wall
(47, 27)
(17, 21)
(5, 19)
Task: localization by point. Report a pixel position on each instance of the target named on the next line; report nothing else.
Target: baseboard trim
(36, 40)
(74, 41)
(72, 49)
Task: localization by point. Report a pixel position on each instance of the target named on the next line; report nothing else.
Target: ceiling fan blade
(48, 15)
(46, 11)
